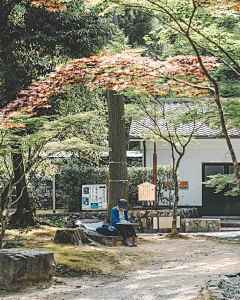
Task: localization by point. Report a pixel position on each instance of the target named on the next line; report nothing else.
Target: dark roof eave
(138, 138)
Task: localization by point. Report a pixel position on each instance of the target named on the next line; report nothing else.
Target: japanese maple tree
(33, 40)
(182, 75)
(201, 25)
(116, 72)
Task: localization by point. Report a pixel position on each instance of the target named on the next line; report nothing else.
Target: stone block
(201, 225)
(20, 265)
(218, 296)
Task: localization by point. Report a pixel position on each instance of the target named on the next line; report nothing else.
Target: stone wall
(139, 216)
(189, 219)
(136, 216)
(69, 219)
(201, 225)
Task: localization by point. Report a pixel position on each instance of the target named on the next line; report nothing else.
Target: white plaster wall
(205, 151)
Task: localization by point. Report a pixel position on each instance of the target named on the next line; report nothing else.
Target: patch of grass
(74, 260)
(78, 260)
(57, 223)
(176, 235)
(13, 243)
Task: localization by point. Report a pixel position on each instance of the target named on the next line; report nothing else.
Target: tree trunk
(174, 230)
(2, 228)
(220, 112)
(227, 138)
(5, 195)
(118, 182)
(23, 216)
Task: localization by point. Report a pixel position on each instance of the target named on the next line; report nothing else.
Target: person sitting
(120, 220)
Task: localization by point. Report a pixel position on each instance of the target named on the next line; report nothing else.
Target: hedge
(69, 183)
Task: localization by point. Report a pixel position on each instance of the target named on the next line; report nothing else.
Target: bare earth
(173, 269)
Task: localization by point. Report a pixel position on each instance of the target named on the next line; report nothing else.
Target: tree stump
(73, 236)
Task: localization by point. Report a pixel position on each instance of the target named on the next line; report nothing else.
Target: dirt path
(174, 269)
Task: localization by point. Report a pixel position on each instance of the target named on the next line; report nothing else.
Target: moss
(176, 235)
(75, 260)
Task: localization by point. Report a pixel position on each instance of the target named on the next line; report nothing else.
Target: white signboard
(94, 196)
(165, 222)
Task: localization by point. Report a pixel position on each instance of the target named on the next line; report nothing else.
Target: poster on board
(94, 196)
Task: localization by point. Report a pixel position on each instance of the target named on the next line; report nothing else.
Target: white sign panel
(94, 196)
(165, 222)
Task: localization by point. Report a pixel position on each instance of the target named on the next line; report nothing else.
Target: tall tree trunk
(227, 138)
(118, 182)
(217, 100)
(174, 230)
(5, 195)
(23, 216)
(2, 229)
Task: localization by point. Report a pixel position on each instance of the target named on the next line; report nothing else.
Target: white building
(208, 156)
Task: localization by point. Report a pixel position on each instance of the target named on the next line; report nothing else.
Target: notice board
(94, 196)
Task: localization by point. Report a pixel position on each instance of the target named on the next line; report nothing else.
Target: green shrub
(13, 243)
(73, 176)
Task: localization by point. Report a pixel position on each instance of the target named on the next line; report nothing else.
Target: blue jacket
(115, 216)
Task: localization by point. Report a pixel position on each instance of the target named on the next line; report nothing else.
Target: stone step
(227, 229)
(231, 223)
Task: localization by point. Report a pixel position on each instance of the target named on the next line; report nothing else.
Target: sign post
(58, 171)
(146, 192)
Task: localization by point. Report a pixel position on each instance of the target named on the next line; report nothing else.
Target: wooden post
(155, 175)
(146, 230)
(54, 193)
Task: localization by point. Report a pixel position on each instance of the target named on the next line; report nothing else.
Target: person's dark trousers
(126, 230)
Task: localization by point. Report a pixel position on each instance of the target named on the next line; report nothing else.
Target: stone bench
(201, 225)
(20, 265)
(80, 236)
(83, 235)
(110, 241)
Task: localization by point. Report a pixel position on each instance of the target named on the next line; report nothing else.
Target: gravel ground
(174, 269)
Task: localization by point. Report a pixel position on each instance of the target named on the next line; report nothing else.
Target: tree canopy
(117, 72)
(33, 41)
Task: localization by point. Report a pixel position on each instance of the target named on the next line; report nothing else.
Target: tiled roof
(202, 130)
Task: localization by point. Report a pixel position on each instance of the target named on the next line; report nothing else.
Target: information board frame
(94, 197)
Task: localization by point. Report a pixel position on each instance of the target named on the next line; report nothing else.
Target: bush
(73, 176)
(138, 175)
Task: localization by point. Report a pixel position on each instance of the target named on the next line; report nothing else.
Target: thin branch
(191, 17)
(220, 58)
(184, 32)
